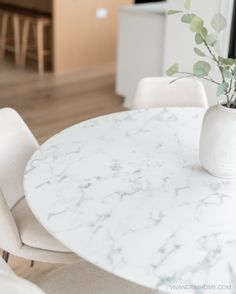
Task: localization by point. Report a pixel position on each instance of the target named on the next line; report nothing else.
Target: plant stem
(231, 98)
(230, 85)
(218, 65)
(234, 96)
(188, 74)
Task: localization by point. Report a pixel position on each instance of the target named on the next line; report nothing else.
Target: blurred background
(62, 62)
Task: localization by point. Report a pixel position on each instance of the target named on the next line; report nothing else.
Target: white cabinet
(140, 46)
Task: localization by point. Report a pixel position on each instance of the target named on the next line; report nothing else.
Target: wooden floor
(49, 104)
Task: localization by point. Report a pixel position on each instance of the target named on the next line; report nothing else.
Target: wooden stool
(38, 24)
(6, 17)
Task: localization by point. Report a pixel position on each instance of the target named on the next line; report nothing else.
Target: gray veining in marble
(126, 192)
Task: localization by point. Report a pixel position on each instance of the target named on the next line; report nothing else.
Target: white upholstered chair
(81, 278)
(20, 232)
(12, 284)
(159, 92)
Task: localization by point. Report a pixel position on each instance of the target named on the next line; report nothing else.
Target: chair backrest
(17, 144)
(160, 92)
(9, 235)
(10, 283)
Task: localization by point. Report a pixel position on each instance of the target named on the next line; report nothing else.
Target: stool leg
(16, 26)
(25, 36)
(4, 27)
(40, 46)
(5, 256)
(32, 263)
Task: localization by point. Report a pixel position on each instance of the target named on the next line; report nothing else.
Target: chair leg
(16, 26)
(32, 263)
(3, 40)
(25, 36)
(40, 46)
(5, 256)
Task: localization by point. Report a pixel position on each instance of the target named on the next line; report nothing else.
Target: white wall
(179, 41)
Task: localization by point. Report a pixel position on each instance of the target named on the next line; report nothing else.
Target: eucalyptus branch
(211, 80)
(235, 94)
(231, 84)
(209, 49)
(180, 78)
(202, 68)
(231, 98)
(188, 74)
(228, 100)
(214, 58)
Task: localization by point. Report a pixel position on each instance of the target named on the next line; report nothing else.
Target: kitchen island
(84, 32)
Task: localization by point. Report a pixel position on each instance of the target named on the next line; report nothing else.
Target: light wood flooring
(49, 104)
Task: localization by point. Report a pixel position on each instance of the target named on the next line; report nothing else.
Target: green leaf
(198, 39)
(196, 24)
(211, 40)
(217, 47)
(199, 52)
(227, 61)
(230, 61)
(227, 73)
(187, 18)
(201, 68)
(172, 70)
(204, 32)
(219, 22)
(170, 12)
(221, 59)
(187, 4)
(222, 88)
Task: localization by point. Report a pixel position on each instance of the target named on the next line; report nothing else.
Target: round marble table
(127, 193)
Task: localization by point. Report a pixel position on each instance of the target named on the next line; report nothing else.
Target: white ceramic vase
(218, 141)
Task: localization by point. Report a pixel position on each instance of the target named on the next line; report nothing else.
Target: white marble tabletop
(127, 193)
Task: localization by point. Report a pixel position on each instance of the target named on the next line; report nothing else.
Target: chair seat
(11, 284)
(4, 268)
(86, 278)
(31, 232)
